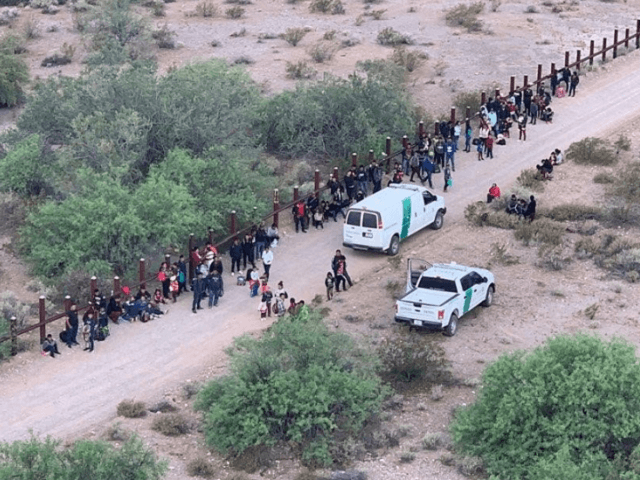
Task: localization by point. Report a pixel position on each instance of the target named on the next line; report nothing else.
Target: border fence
(628, 39)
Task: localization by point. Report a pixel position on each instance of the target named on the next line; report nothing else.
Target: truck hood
(428, 297)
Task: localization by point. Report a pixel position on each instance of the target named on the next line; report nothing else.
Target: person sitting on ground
(114, 310)
(317, 219)
(512, 205)
(530, 211)
(494, 192)
(521, 207)
(558, 157)
(272, 235)
(397, 174)
(547, 115)
(546, 169)
(292, 306)
(50, 346)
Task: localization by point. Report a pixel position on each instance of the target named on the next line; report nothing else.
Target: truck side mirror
(485, 279)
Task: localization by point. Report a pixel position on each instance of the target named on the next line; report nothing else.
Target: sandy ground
(77, 393)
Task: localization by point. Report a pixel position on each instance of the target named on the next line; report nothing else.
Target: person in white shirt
(267, 260)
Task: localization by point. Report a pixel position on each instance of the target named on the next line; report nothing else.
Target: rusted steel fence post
(453, 115)
(141, 273)
(167, 259)
(276, 206)
(405, 141)
(335, 173)
(615, 43)
(483, 98)
(468, 113)
(92, 288)
(43, 318)
(387, 147)
(296, 193)
(233, 220)
(512, 84)
(190, 249)
(578, 60)
(637, 33)
(371, 156)
(436, 129)
(13, 328)
(525, 81)
(210, 236)
(539, 78)
(67, 303)
(566, 59)
(354, 159)
(553, 69)
(116, 285)
(421, 129)
(496, 93)
(316, 180)
(626, 37)
(592, 49)
(604, 49)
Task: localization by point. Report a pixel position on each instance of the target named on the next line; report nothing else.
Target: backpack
(241, 281)
(181, 277)
(267, 296)
(215, 283)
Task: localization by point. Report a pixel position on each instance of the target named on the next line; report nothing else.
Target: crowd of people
(427, 156)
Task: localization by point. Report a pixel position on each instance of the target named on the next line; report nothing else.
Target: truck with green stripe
(440, 294)
(382, 220)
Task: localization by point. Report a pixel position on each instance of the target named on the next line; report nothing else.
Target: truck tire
(394, 246)
(489, 298)
(438, 221)
(451, 329)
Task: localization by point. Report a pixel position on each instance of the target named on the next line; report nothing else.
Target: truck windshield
(432, 283)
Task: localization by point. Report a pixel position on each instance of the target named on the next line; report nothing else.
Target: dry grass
(131, 409)
(293, 36)
(171, 424)
(300, 70)
(393, 38)
(206, 9)
(200, 467)
(235, 12)
(117, 433)
(322, 51)
(465, 16)
(407, 59)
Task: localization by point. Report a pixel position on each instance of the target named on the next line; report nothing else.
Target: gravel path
(78, 391)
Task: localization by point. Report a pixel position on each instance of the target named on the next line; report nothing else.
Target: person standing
(72, 325)
(530, 211)
(361, 179)
(488, 144)
(247, 251)
(376, 176)
(448, 181)
(428, 168)
(468, 135)
(215, 288)
(182, 275)
(235, 252)
(414, 163)
(198, 287)
(329, 282)
(267, 295)
(450, 151)
(281, 291)
(339, 257)
(575, 80)
(88, 330)
(522, 127)
(267, 260)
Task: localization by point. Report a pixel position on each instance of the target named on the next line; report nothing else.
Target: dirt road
(78, 391)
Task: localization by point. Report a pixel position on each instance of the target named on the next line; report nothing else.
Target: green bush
(627, 183)
(471, 99)
(543, 231)
(407, 59)
(569, 409)
(391, 37)
(294, 35)
(36, 459)
(571, 212)
(22, 170)
(131, 409)
(591, 151)
(14, 74)
(335, 117)
(300, 383)
(171, 424)
(465, 16)
(300, 70)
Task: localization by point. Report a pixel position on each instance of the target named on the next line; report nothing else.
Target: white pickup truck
(439, 294)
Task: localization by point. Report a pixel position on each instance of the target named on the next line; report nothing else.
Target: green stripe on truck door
(406, 217)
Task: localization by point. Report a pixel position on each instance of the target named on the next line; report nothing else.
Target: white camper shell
(382, 220)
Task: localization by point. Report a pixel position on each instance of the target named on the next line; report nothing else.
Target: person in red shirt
(488, 145)
(494, 192)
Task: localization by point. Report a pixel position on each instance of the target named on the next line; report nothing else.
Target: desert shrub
(243, 60)
(433, 441)
(393, 38)
(36, 459)
(376, 14)
(23, 171)
(235, 12)
(531, 9)
(407, 457)
(200, 467)
(465, 16)
(322, 51)
(312, 384)
(571, 212)
(13, 213)
(622, 143)
(164, 37)
(63, 57)
(117, 433)
(335, 7)
(568, 406)
(591, 151)
(163, 406)
(349, 115)
(471, 99)
(409, 358)
(131, 409)
(407, 59)
(293, 35)
(604, 178)
(14, 74)
(480, 214)
(437, 393)
(11, 44)
(470, 466)
(552, 258)
(171, 424)
(500, 254)
(531, 180)
(300, 70)
(542, 230)
(627, 183)
(31, 28)
(10, 306)
(159, 8)
(206, 9)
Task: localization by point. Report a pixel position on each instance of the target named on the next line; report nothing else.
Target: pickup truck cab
(439, 295)
(382, 220)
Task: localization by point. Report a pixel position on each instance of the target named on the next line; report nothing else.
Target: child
(263, 310)
(292, 306)
(240, 279)
(329, 282)
(480, 148)
(279, 308)
(158, 297)
(174, 288)
(317, 219)
(448, 181)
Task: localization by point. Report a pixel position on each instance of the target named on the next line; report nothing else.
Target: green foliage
(569, 409)
(627, 183)
(37, 459)
(299, 383)
(407, 59)
(22, 170)
(471, 99)
(465, 16)
(14, 74)
(591, 151)
(571, 212)
(335, 117)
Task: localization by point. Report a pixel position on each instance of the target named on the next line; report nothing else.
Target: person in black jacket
(235, 252)
(530, 212)
(247, 251)
(339, 257)
(72, 326)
